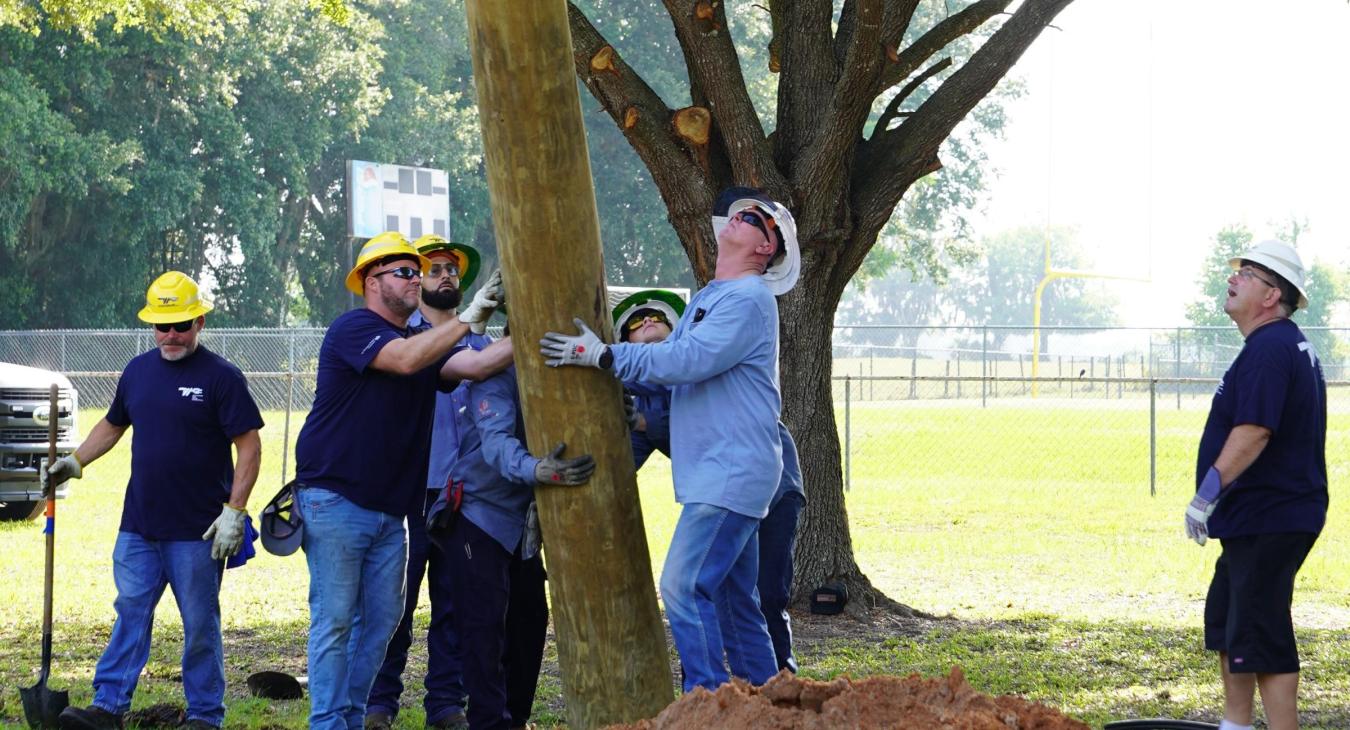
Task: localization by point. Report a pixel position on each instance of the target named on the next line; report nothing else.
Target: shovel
(41, 705)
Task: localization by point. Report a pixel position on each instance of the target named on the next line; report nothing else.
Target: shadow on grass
(1096, 671)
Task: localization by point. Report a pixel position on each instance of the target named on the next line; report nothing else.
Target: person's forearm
(478, 365)
(410, 354)
(1244, 444)
(102, 437)
(248, 457)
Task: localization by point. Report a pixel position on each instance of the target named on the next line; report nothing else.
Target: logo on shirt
(193, 394)
(1219, 391)
(371, 344)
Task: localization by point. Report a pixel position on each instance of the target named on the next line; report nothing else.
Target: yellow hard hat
(173, 297)
(389, 243)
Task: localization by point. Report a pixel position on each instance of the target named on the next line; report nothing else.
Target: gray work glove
(227, 531)
(630, 412)
(66, 467)
(581, 349)
(534, 538)
(553, 469)
(488, 297)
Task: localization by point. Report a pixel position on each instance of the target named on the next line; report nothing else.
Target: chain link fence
(1054, 404)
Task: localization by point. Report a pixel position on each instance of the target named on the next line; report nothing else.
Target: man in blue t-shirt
(454, 266)
(1262, 476)
(179, 524)
(726, 452)
(361, 466)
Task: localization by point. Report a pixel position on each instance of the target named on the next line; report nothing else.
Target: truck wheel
(21, 511)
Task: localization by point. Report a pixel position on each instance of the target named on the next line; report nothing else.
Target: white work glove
(1202, 506)
(485, 301)
(66, 467)
(582, 349)
(227, 531)
(553, 469)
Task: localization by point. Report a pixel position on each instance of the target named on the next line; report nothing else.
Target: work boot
(89, 718)
(379, 721)
(453, 721)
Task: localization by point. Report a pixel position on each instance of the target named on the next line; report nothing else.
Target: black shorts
(1247, 609)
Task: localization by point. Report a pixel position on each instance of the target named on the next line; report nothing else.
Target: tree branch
(715, 71)
(937, 38)
(893, 108)
(646, 122)
(899, 13)
(828, 153)
(808, 76)
(888, 165)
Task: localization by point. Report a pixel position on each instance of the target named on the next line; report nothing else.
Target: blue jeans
(141, 570)
(777, 538)
(357, 559)
(708, 587)
(444, 682)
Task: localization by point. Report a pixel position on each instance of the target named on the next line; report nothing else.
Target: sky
(1149, 125)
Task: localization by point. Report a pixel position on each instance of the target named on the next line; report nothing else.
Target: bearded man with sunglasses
(189, 405)
(721, 363)
(361, 465)
(1261, 473)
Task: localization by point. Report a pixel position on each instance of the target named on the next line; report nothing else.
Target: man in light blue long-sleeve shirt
(721, 363)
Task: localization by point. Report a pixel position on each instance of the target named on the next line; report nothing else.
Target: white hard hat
(1281, 258)
(780, 275)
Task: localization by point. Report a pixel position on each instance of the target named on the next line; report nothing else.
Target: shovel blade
(43, 705)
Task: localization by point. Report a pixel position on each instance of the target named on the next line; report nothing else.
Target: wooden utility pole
(611, 646)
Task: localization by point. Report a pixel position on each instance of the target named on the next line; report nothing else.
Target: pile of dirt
(899, 703)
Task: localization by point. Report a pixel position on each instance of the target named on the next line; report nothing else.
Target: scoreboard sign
(414, 201)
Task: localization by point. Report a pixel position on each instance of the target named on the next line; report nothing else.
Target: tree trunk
(611, 645)
(824, 551)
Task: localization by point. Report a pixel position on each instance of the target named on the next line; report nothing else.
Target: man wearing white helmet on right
(726, 452)
(1262, 476)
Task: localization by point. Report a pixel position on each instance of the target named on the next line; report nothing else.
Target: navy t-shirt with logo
(184, 415)
(369, 431)
(1275, 382)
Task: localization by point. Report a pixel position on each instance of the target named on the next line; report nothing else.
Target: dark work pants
(444, 683)
(777, 538)
(502, 619)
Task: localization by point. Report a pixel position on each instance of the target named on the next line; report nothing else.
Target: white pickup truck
(25, 411)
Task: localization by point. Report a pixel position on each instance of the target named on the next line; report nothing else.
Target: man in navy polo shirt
(184, 510)
(361, 466)
(722, 364)
(1262, 476)
(454, 266)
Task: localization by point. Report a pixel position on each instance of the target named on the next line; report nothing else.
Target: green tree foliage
(1212, 282)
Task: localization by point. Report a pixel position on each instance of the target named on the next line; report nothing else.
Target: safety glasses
(406, 273)
(640, 318)
(183, 326)
(438, 270)
(758, 220)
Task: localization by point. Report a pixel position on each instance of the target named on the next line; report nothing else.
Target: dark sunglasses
(638, 318)
(758, 221)
(401, 272)
(183, 326)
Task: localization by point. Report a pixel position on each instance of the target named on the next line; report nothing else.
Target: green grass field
(1031, 526)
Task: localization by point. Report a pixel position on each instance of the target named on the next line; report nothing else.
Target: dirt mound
(899, 703)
